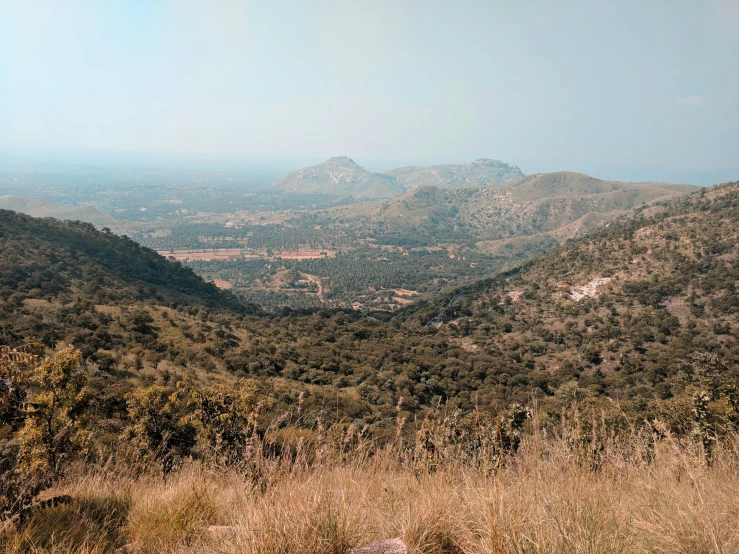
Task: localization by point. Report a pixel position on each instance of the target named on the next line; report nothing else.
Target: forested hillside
(52, 272)
(612, 314)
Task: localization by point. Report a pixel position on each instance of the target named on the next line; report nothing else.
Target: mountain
(60, 262)
(551, 206)
(38, 207)
(340, 176)
(481, 172)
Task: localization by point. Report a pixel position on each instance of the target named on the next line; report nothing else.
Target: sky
(641, 89)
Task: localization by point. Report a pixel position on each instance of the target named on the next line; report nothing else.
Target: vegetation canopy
(615, 354)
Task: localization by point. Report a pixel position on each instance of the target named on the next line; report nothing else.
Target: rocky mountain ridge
(481, 172)
(342, 176)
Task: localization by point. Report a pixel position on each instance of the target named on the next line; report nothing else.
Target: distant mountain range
(342, 176)
(480, 172)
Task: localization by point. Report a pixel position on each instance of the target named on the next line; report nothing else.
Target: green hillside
(46, 260)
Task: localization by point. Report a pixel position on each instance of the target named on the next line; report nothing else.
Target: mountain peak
(341, 159)
(339, 176)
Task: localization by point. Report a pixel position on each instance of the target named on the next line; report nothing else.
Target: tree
(158, 427)
(225, 416)
(56, 406)
(17, 488)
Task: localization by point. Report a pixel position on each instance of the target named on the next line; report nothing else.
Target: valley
(400, 348)
(369, 277)
(469, 221)
(608, 309)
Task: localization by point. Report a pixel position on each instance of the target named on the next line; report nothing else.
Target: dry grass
(550, 497)
(544, 500)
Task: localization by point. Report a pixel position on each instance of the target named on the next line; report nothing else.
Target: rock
(388, 546)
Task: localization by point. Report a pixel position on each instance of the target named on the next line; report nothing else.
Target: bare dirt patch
(590, 289)
(467, 344)
(515, 294)
(405, 292)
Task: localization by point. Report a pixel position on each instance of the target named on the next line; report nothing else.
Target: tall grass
(553, 495)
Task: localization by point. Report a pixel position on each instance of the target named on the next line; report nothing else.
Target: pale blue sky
(590, 86)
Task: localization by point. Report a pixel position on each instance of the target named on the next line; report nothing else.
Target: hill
(481, 172)
(339, 176)
(545, 208)
(571, 184)
(50, 261)
(38, 207)
(613, 313)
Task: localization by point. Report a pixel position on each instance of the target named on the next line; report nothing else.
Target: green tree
(158, 426)
(225, 416)
(56, 407)
(17, 488)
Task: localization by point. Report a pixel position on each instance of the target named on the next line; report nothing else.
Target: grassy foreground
(548, 497)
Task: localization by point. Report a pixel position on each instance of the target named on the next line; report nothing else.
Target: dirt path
(317, 281)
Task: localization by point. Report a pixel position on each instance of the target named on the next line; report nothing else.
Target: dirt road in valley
(317, 281)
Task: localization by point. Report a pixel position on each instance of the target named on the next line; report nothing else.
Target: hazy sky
(546, 85)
